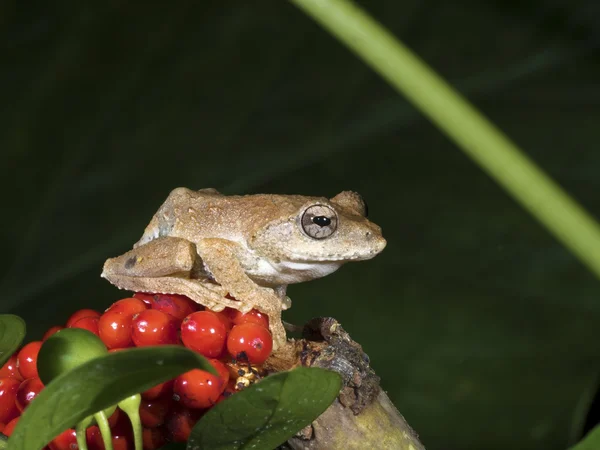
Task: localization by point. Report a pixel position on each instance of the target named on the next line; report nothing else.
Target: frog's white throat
(290, 272)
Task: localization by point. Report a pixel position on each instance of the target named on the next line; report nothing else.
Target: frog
(242, 251)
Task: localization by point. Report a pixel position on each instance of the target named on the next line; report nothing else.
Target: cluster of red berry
(236, 345)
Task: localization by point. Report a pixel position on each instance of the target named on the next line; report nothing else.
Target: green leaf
(590, 442)
(267, 413)
(97, 384)
(12, 332)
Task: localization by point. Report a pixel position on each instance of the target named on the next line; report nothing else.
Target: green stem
(104, 427)
(131, 406)
(81, 436)
(476, 135)
(3, 442)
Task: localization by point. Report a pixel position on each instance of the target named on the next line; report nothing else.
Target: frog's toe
(245, 308)
(286, 303)
(278, 333)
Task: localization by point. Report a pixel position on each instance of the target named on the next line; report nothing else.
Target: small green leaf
(590, 442)
(267, 413)
(67, 349)
(12, 332)
(97, 384)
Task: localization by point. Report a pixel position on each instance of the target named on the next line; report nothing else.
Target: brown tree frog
(211, 247)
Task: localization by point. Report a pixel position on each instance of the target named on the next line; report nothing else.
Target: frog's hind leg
(165, 266)
(159, 257)
(209, 295)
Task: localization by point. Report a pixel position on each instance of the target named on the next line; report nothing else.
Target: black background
(482, 327)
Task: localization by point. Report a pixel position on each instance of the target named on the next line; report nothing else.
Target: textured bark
(378, 426)
(362, 417)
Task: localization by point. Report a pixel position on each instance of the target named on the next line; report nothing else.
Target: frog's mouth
(299, 269)
(358, 255)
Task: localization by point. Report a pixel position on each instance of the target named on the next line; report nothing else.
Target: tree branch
(362, 416)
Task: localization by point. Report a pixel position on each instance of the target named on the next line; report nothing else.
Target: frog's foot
(210, 295)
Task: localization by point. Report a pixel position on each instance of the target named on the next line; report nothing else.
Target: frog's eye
(319, 221)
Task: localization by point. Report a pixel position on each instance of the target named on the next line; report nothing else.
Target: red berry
(115, 418)
(80, 315)
(224, 317)
(154, 438)
(198, 388)
(119, 441)
(27, 391)
(94, 438)
(222, 370)
(114, 329)
(146, 298)
(204, 333)
(128, 306)
(250, 342)
(154, 412)
(253, 316)
(228, 392)
(152, 327)
(8, 396)
(10, 370)
(160, 390)
(176, 305)
(10, 426)
(67, 440)
(51, 331)
(90, 437)
(122, 435)
(27, 360)
(180, 423)
(87, 323)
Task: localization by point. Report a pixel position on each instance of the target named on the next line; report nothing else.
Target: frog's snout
(378, 243)
(374, 240)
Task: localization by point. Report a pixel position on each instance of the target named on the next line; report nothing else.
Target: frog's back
(195, 215)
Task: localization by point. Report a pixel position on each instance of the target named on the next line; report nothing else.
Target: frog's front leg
(165, 266)
(219, 257)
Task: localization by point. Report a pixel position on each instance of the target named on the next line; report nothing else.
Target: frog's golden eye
(319, 221)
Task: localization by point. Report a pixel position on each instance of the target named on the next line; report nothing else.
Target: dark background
(482, 327)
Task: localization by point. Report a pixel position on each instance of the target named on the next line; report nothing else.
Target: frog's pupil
(322, 221)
